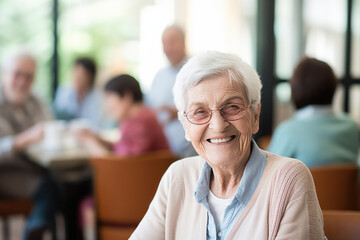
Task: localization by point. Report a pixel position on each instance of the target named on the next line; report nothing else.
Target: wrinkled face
(174, 46)
(219, 141)
(117, 107)
(82, 79)
(18, 79)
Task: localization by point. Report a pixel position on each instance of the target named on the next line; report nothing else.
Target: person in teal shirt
(315, 134)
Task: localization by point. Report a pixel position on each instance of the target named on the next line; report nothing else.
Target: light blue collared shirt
(313, 111)
(161, 94)
(251, 177)
(67, 107)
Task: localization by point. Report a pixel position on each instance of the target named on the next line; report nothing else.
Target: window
(30, 27)
(106, 30)
(317, 28)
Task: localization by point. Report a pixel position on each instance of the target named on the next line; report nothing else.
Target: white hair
(12, 57)
(211, 64)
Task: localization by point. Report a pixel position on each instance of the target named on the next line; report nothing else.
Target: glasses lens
(199, 116)
(233, 111)
(230, 112)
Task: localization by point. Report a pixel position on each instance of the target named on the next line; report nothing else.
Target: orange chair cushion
(124, 187)
(112, 233)
(337, 186)
(342, 225)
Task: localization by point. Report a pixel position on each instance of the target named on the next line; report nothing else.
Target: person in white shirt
(81, 100)
(160, 96)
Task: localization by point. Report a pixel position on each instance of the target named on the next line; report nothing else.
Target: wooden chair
(342, 225)
(124, 188)
(13, 207)
(264, 141)
(337, 186)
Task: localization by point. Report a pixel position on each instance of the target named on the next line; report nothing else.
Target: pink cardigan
(284, 205)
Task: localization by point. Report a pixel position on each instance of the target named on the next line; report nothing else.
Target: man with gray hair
(21, 124)
(160, 96)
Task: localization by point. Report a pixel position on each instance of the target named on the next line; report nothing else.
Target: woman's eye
(233, 106)
(231, 109)
(199, 112)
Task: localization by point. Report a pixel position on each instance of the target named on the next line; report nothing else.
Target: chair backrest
(10, 207)
(341, 225)
(125, 186)
(337, 186)
(264, 141)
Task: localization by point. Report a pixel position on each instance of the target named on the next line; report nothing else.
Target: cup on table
(54, 132)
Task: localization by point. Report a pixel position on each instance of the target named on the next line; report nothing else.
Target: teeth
(220, 140)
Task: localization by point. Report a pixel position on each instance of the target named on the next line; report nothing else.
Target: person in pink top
(140, 130)
(141, 133)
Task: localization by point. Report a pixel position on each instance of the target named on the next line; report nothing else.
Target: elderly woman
(233, 189)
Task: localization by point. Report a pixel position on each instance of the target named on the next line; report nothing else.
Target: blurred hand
(82, 133)
(28, 137)
(84, 136)
(91, 142)
(171, 110)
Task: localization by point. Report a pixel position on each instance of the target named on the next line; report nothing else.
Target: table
(67, 152)
(69, 157)
(68, 165)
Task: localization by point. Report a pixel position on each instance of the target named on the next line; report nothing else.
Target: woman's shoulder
(65, 89)
(285, 163)
(187, 169)
(148, 112)
(146, 118)
(65, 94)
(289, 173)
(288, 126)
(346, 119)
(188, 164)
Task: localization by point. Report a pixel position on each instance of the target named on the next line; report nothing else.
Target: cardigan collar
(249, 181)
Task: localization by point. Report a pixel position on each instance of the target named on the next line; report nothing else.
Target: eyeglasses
(230, 112)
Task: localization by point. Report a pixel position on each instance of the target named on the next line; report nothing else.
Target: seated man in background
(81, 100)
(160, 96)
(140, 130)
(21, 124)
(316, 135)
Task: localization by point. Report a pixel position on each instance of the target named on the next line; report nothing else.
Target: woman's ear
(256, 120)
(185, 126)
(187, 136)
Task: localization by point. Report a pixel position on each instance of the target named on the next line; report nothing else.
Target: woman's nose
(217, 122)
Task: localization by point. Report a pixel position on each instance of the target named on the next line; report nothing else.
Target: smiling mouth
(221, 140)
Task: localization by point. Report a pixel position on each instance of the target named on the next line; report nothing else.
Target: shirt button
(219, 234)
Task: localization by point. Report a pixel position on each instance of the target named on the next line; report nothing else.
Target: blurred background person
(139, 127)
(160, 96)
(81, 100)
(21, 124)
(140, 131)
(316, 135)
